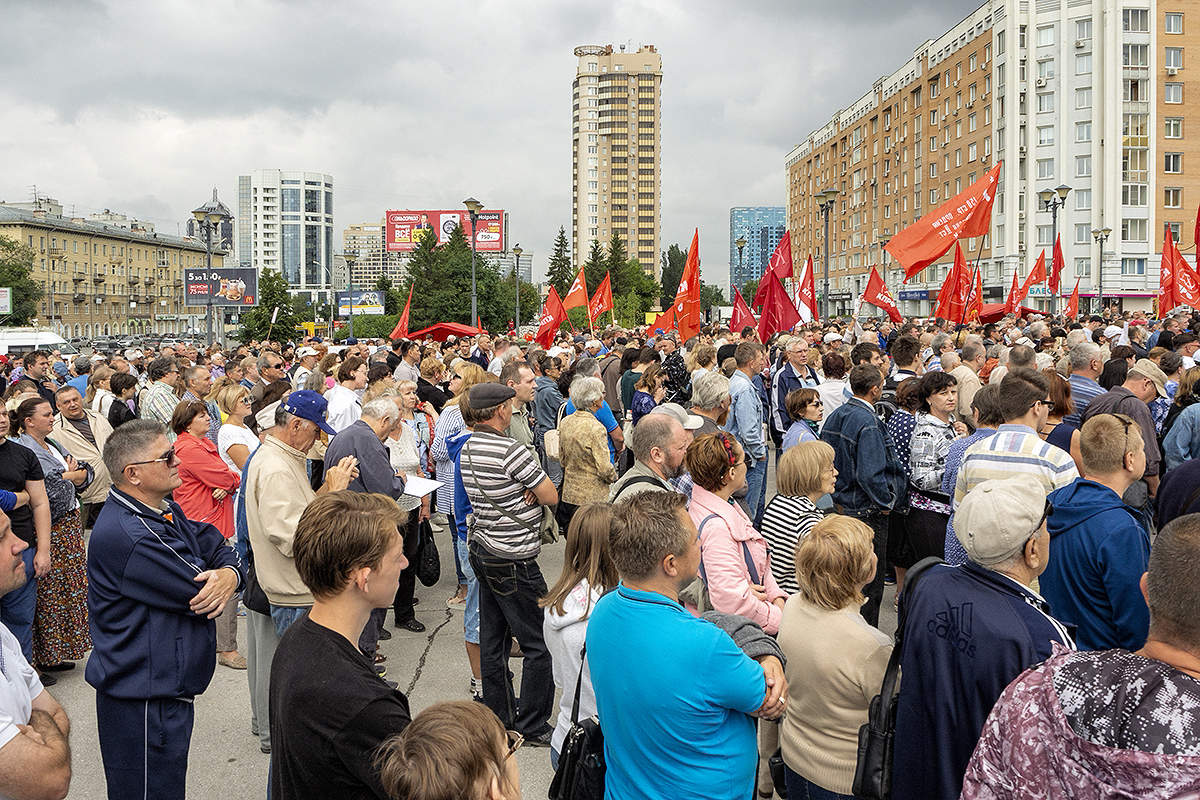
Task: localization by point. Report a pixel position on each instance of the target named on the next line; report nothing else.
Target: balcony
(78, 297)
(98, 279)
(149, 281)
(133, 280)
(79, 277)
(56, 252)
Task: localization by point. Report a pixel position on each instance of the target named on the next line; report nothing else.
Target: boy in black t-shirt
(329, 709)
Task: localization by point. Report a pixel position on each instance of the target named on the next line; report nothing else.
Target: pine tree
(559, 274)
(593, 268)
(616, 265)
(673, 261)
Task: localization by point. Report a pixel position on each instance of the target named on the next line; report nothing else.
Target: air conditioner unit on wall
(1040, 82)
(1172, 71)
(1080, 43)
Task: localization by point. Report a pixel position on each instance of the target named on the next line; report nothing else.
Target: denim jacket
(870, 477)
(746, 416)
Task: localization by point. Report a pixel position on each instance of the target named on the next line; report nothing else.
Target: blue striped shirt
(1083, 391)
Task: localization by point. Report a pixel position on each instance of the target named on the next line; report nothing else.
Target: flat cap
(486, 395)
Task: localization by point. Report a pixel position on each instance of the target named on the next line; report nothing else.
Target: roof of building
(17, 216)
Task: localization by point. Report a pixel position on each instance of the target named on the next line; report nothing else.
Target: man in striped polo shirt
(1015, 448)
(507, 489)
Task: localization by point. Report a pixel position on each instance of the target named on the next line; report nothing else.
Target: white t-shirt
(345, 408)
(19, 684)
(229, 435)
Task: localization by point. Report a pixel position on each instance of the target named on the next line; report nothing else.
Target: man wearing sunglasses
(156, 583)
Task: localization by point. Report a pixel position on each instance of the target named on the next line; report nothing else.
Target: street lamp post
(741, 243)
(1100, 235)
(1053, 200)
(473, 209)
(209, 216)
(517, 285)
(825, 204)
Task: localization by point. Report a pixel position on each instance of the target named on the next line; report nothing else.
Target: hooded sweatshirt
(1098, 552)
(462, 503)
(1031, 747)
(564, 634)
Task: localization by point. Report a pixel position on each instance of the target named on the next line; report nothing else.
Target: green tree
(369, 326)
(16, 265)
(393, 301)
(629, 311)
(616, 265)
(711, 296)
(673, 261)
(749, 289)
(441, 279)
(593, 268)
(530, 302)
(559, 274)
(272, 293)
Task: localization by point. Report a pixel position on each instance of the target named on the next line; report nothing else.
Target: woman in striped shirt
(805, 474)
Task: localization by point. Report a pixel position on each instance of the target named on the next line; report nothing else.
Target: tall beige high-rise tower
(616, 152)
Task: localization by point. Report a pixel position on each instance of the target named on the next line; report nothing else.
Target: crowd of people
(713, 620)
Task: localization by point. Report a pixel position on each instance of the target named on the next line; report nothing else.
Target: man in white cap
(691, 423)
(306, 359)
(969, 631)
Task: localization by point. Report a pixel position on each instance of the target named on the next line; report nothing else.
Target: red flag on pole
(877, 295)
(1057, 265)
(952, 299)
(1167, 296)
(1037, 275)
(808, 290)
(687, 298)
(742, 315)
(663, 322)
(1187, 283)
(552, 316)
(975, 304)
(401, 329)
(779, 313)
(969, 213)
(577, 295)
(780, 266)
(1012, 304)
(601, 300)
(1072, 309)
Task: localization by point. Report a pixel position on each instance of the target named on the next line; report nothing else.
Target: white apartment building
(285, 223)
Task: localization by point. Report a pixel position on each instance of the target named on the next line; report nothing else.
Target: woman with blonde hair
(702, 359)
(834, 654)
(235, 440)
(454, 750)
(648, 391)
(99, 395)
(805, 475)
(588, 572)
(583, 451)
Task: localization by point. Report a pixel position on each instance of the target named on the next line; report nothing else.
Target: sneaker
(266, 748)
(541, 740)
(61, 666)
(411, 625)
(380, 670)
(384, 634)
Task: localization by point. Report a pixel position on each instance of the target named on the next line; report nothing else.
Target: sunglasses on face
(168, 458)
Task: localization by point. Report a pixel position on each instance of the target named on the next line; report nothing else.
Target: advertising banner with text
(404, 229)
(365, 301)
(234, 286)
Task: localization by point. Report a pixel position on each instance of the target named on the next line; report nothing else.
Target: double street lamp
(741, 243)
(1100, 235)
(825, 200)
(210, 216)
(517, 285)
(1052, 201)
(473, 209)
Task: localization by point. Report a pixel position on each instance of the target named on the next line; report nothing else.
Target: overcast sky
(144, 107)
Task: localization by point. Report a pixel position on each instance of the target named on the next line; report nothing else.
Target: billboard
(364, 301)
(5, 299)
(234, 286)
(405, 229)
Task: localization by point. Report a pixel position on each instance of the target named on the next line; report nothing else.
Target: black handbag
(873, 772)
(429, 563)
(580, 773)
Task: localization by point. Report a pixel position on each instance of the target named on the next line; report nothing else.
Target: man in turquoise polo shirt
(674, 694)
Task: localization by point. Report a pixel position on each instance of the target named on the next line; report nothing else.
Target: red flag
(577, 294)
(553, 314)
(1058, 264)
(975, 304)
(808, 289)
(1187, 283)
(952, 299)
(780, 266)
(969, 213)
(401, 329)
(687, 298)
(779, 313)
(742, 315)
(1196, 234)
(1013, 303)
(1072, 309)
(1167, 293)
(1037, 275)
(601, 300)
(663, 322)
(877, 294)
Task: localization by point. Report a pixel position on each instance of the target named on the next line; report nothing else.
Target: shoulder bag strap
(578, 685)
(700, 530)
(754, 576)
(561, 408)
(475, 482)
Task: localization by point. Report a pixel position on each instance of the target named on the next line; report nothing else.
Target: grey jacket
(749, 638)
(375, 473)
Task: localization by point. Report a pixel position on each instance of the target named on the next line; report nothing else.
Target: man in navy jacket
(156, 583)
(968, 631)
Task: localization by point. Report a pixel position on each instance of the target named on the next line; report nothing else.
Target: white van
(18, 341)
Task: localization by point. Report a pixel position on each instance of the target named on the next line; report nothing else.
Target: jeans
(368, 639)
(286, 616)
(443, 526)
(801, 788)
(508, 607)
(261, 641)
(18, 606)
(756, 490)
(471, 609)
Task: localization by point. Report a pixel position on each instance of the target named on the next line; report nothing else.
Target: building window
(1083, 166)
(1000, 43)
(1173, 127)
(1083, 28)
(1045, 102)
(1173, 93)
(1133, 266)
(1135, 20)
(1083, 97)
(1135, 55)
(1173, 22)
(1045, 35)
(1083, 64)
(1173, 227)
(1134, 195)
(1083, 233)
(1045, 235)
(1045, 134)
(971, 123)
(1174, 58)
(1173, 197)
(1173, 162)
(1083, 131)
(1133, 230)
(1083, 199)
(1045, 168)
(933, 144)
(1045, 68)
(972, 152)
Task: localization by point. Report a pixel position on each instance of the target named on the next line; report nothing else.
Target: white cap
(553, 352)
(833, 336)
(593, 343)
(1112, 332)
(307, 351)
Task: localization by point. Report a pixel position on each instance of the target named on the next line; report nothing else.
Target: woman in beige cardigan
(835, 660)
(583, 451)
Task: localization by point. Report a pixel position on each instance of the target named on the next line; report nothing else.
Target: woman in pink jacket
(733, 562)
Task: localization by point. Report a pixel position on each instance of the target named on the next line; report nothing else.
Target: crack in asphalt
(425, 653)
